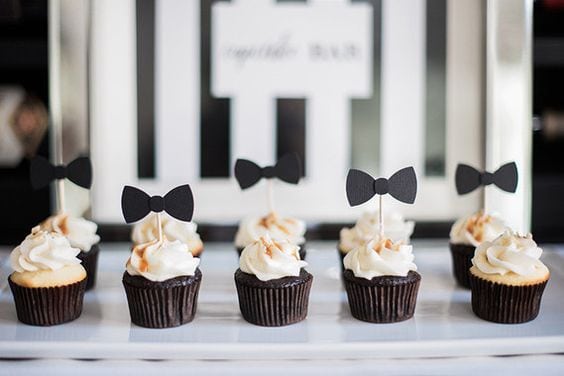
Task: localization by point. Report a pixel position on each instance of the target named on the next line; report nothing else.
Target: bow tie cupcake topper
(361, 187)
(42, 172)
(467, 179)
(178, 203)
(287, 169)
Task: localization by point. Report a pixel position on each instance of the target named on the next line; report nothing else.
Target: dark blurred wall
(23, 64)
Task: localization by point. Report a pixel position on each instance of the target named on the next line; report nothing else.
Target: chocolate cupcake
(465, 235)
(48, 282)
(185, 232)
(162, 281)
(278, 228)
(507, 279)
(81, 234)
(381, 281)
(368, 226)
(272, 286)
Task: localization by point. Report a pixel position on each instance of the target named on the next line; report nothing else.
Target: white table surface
(444, 325)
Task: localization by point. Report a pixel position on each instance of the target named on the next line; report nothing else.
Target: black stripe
(365, 113)
(214, 112)
(145, 17)
(291, 128)
(290, 122)
(435, 87)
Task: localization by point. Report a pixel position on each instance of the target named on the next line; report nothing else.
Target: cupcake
(507, 279)
(81, 234)
(185, 232)
(368, 226)
(272, 284)
(161, 281)
(381, 281)
(48, 281)
(278, 228)
(465, 235)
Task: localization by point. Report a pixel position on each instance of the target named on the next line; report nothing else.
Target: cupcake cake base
(163, 304)
(505, 304)
(277, 302)
(462, 262)
(302, 251)
(46, 306)
(385, 299)
(90, 263)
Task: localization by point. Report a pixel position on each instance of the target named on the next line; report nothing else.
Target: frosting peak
(380, 257)
(368, 226)
(279, 228)
(42, 250)
(476, 228)
(186, 232)
(269, 259)
(158, 261)
(509, 253)
(80, 232)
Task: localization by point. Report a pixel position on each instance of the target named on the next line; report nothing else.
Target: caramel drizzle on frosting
(271, 220)
(475, 225)
(385, 243)
(139, 251)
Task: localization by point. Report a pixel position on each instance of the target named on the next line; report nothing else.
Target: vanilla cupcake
(81, 234)
(48, 281)
(507, 279)
(465, 235)
(272, 285)
(162, 281)
(381, 281)
(185, 232)
(278, 228)
(368, 226)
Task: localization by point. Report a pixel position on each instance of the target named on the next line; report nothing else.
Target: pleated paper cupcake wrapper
(462, 255)
(90, 263)
(267, 306)
(162, 307)
(302, 251)
(46, 306)
(382, 302)
(505, 304)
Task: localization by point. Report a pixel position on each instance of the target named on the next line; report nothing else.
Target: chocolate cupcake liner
(302, 251)
(279, 302)
(503, 303)
(90, 263)
(462, 255)
(46, 306)
(162, 304)
(384, 299)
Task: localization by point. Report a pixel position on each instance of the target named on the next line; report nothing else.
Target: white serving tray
(443, 326)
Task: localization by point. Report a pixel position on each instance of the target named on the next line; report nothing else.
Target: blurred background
(163, 92)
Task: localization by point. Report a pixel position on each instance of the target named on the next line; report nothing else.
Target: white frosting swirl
(159, 261)
(80, 232)
(509, 253)
(279, 229)
(477, 228)
(367, 227)
(270, 259)
(186, 232)
(380, 258)
(43, 250)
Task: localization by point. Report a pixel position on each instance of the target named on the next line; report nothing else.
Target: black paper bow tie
(468, 178)
(136, 204)
(42, 172)
(288, 169)
(361, 187)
